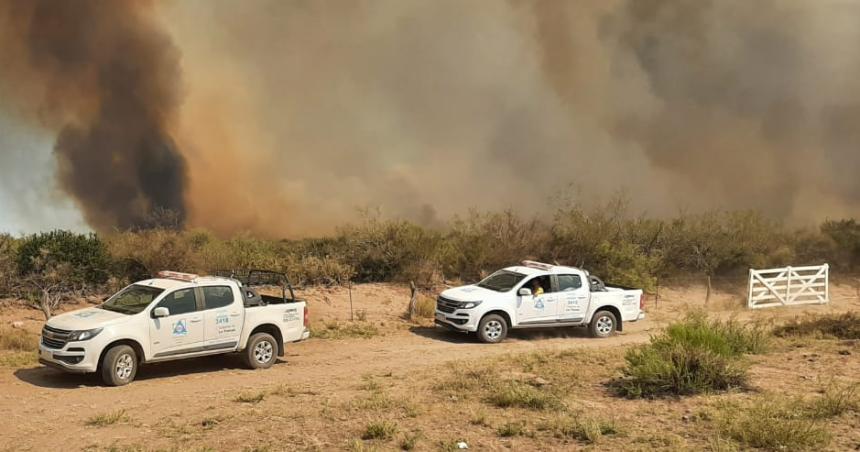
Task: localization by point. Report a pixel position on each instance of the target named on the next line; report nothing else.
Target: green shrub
(726, 338)
(677, 369)
(379, 430)
(693, 356)
(85, 255)
(840, 326)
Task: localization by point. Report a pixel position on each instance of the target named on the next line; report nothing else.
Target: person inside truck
(537, 289)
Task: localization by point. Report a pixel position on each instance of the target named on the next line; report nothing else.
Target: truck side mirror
(525, 292)
(161, 311)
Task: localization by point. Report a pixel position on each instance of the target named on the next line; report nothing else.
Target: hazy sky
(29, 197)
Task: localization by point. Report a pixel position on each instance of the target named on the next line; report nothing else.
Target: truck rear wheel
(261, 352)
(492, 329)
(119, 365)
(603, 324)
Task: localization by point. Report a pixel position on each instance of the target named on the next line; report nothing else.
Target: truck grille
(54, 337)
(447, 306)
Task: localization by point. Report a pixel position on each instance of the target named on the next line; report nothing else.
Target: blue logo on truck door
(180, 328)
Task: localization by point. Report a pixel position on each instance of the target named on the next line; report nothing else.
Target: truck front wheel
(119, 365)
(492, 329)
(603, 324)
(261, 352)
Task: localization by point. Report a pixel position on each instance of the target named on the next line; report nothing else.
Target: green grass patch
(521, 395)
(839, 326)
(18, 340)
(510, 429)
(383, 430)
(18, 359)
(247, 397)
(835, 400)
(586, 429)
(409, 441)
(337, 330)
(773, 423)
(425, 307)
(106, 419)
(693, 356)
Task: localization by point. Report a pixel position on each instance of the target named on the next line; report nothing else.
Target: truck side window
(217, 296)
(541, 281)
(569, 282)
(180, 302)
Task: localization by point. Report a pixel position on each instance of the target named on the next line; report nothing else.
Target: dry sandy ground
(310, 396)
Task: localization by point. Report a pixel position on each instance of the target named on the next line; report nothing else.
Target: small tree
(49, 282)
(53, 265)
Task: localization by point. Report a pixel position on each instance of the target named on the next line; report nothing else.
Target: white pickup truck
(538, 295)
(174, 316)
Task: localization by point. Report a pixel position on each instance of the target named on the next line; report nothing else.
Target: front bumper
(74, 357)
(460, 320)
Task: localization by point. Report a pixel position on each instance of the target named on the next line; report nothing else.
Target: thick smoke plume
(296, 113)
(105, 78)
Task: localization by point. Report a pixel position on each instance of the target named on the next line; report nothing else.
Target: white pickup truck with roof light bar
(538, 295)
(176, 316)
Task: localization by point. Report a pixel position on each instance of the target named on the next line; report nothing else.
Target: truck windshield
(502, 280)
(132, 299)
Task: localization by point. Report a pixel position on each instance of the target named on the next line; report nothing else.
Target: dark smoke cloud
(105, 78)
(298, 112)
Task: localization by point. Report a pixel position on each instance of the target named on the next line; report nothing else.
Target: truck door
(537, 308)
(180, 332)
(222, 316)
(573, 298)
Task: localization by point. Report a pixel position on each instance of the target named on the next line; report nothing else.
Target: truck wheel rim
(263, 352)
(124, 366)
(604, 324)
(493, 329)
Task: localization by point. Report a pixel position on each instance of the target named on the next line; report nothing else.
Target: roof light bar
(167, 274)
(538, 265)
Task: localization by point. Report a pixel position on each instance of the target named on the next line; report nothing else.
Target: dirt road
(43, 409)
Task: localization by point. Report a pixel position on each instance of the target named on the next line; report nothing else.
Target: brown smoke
(295, 114)
(105, 78)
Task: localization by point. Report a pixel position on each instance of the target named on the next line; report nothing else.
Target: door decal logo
(180, 328)
(538, 303)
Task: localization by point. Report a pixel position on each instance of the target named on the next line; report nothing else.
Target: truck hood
(86, 319)
(468, 293)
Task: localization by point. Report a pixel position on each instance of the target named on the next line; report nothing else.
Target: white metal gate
(789, 286)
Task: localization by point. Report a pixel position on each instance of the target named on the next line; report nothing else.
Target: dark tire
(261, 352)
(119, 365)
(603, 324)
(492, 329)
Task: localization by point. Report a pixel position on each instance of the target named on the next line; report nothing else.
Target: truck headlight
(469, 304)
(84, 335)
